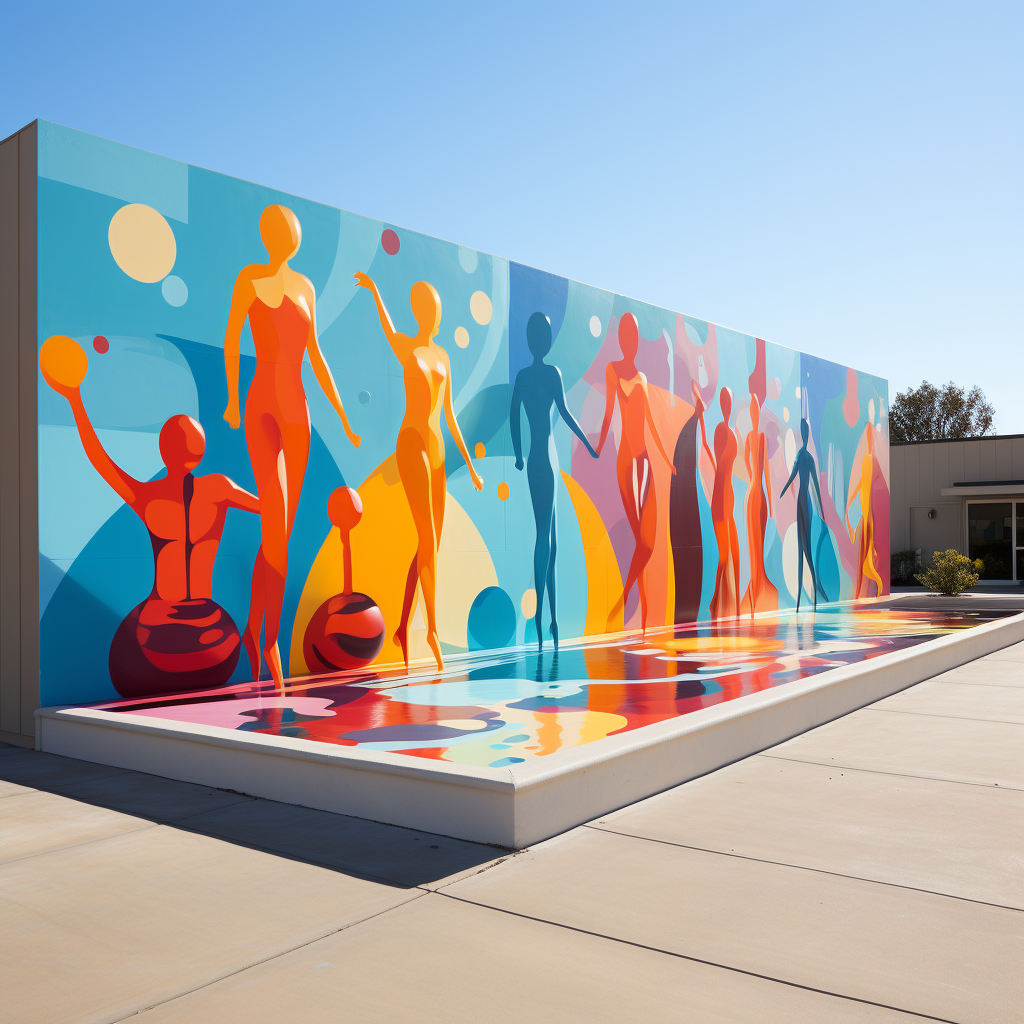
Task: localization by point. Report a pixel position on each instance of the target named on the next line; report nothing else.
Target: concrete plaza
(868, 870)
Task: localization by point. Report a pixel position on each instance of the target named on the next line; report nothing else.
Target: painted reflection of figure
(866, 558)
(281, 306)
(726, 599)
(632, 466)
(179, 638)
(538, 389)
(684, 516)
(420, 447)
(761, 594)
(804, 467)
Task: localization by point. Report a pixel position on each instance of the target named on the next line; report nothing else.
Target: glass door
(990, 536)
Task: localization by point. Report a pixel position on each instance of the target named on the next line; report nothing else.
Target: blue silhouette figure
(539, 389)
(808, 472)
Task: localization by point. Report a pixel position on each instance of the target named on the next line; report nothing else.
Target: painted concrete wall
(704, 500)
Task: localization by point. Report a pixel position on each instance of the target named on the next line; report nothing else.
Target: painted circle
(174, 290)
(390, 242)
(344, 508)
(503, 491)
(63, 361)
(595, 326)
(492, 620)
(528, 604)
(480, 307)
(468, 259)
(785, 413)
(142, 243)
(461, 337)
(100, 344)
(346, 631)
(364, 397)
(480, 450)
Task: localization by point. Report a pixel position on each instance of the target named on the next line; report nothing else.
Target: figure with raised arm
(804, 467)
(538, 389)
(281, 307)
(866, 559)
(761, 594)
(179, 638)
(419, 450)
(726, 600)
(632, 466)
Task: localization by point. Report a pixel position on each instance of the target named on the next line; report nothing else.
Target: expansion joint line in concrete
(804, 867)
(933, 714)
(699, 960)
(897, 775)
(83, 842)
(268, 959)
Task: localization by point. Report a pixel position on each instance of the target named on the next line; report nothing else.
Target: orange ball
(503, 491)
(345, 508)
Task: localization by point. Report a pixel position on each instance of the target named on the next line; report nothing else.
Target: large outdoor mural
(278, 439)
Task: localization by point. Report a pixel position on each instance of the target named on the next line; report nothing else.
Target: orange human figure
(281, 306)
(419, 450)
(632, 465)
(866, 558)
(726, 599)
(178, 637)
(761, 595)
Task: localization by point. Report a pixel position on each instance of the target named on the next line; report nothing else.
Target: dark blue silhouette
(539, 389)
(808, 471)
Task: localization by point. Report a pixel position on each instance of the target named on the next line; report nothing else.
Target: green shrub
(902, 566)
(951, 573)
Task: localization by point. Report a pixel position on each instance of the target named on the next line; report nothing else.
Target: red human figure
(726, 599)
(632, 466)
(281, 307)
(179, 638)
(761, 595)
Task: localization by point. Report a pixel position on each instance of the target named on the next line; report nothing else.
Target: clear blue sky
(844, 179)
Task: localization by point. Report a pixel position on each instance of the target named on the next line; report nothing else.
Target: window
(990, 536)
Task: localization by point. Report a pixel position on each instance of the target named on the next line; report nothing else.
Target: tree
(928, 413)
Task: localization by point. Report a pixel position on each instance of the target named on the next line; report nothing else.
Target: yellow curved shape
(604, 581)
(383, 543)
(142, 243)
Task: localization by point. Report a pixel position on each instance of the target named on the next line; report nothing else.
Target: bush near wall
(951, 573)
(903, 565)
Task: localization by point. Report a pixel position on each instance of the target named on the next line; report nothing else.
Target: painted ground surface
(505, 708)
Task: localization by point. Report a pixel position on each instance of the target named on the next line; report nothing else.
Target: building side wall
(19, 544)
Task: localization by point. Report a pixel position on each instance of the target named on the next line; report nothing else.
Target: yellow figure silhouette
(277, 425)
(866, 559)
(419, 450)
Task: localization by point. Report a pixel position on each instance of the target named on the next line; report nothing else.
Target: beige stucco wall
(920, 473)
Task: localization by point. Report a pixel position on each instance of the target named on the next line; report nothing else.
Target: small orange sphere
(479, 451)
(345, 508)
(503, 491)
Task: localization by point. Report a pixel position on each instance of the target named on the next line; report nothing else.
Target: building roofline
(952, 440)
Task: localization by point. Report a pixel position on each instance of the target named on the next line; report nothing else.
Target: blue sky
(842, 179)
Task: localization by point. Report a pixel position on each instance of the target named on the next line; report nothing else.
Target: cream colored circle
(480, 307)
(142, 243)
(461, 337)
(595, 326)
(529, 603)
(785, 414)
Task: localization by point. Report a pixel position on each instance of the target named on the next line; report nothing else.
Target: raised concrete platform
(520, 804)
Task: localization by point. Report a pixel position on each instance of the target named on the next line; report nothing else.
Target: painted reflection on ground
(498, 709)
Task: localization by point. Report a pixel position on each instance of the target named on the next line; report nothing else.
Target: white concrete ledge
(516, 806)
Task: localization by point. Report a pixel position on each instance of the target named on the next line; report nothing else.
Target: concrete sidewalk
(868, 870)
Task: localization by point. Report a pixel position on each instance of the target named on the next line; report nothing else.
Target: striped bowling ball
(347, 631)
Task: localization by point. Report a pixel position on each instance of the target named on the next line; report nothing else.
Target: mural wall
(277, 438)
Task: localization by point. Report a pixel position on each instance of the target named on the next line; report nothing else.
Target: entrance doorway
(995, 534)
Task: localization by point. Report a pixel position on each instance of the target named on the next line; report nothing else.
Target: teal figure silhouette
(808, 472)
(539, 389)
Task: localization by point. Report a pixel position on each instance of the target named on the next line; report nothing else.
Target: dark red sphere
(173, 647)
(347, 631)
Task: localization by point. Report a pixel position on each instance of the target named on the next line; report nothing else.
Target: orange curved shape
(761, 594)
(419, 450)
(726, 599)
(280, 305)
(866, 555)
(624, 382)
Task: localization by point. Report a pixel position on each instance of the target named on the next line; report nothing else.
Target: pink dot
(390, 242)
(100, 344)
